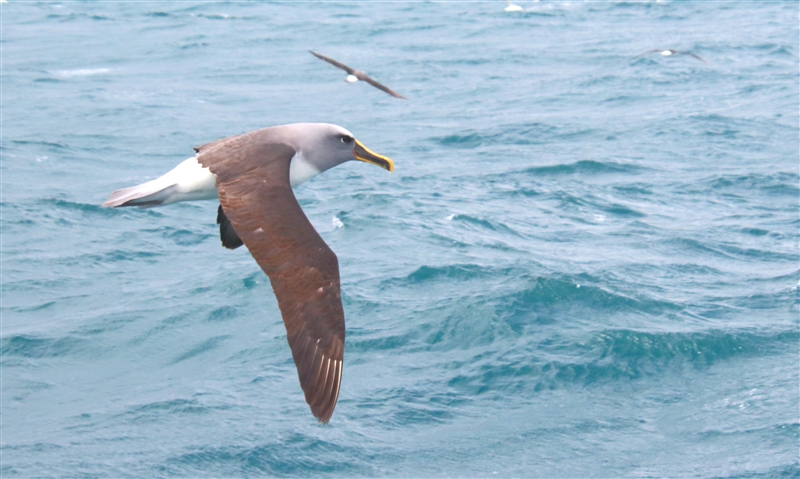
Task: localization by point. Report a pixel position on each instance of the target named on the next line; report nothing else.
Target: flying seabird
(355, 75)
(669, 52)
(253, 176)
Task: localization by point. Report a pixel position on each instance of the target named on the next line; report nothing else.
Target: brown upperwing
(255, 194)
(333, 62)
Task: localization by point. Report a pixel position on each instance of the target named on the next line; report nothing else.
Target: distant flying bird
(512, 7)
(669, 52)
(253, 176)
(355, 75)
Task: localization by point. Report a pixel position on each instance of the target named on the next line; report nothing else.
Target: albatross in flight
(670, 52)
(355, 75)
(253, 176)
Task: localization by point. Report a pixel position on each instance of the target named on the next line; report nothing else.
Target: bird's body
(356, 75)
(252, 175)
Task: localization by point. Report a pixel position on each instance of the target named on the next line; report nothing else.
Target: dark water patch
(159, 410)
(787, 429)
(522, 191)
(413, 406)
(186, 237)
(725, 250)
(780, 303)
(789, 470)
(291, 456)
(49, 80)
(126, 255)
(773, 48)
(467, 140)
(223, 314)
(407, 413)
(465, 326)
(583, 167)
(545, 299)
(612, 356)
(484, 224)
(778, 184)
(567, 201)
(254, 280)
(374, 199)
(730, 128)
(88, 209)
(190, 46)
(37, 307)
(204, 347)
(385, 343)
(754, 231)
(174, 405)
(694, 247)
(26, 388)
(450, 242)
(461, 272)
(637, 349)
(48, 144)
(42, 347)
(157, 14)
(165, 324)
(623, 211)
(759, 254)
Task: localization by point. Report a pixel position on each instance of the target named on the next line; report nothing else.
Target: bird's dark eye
(346, 139)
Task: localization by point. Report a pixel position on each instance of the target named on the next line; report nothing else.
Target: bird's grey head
(321, 146)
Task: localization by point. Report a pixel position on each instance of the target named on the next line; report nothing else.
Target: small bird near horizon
(670, 52)
(252, 175)
(356, 75)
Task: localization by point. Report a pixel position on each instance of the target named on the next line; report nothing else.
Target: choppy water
(585, 263)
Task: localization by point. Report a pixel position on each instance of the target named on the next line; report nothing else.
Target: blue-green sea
(585, 263)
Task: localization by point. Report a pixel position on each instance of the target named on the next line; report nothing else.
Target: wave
(300, 455)
(584, 167)
(35, 347)
(202, 348)
(611, 356)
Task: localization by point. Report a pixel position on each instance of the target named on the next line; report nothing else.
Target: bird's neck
(301, 170)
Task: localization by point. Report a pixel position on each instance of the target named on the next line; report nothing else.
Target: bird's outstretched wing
(363, 76)
(257, 199)
(693, 55)
(333, 62)
(359, 74)
(674, 52)
(646, 53)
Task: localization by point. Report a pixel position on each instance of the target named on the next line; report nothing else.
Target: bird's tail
(188, 181)
(147, 195)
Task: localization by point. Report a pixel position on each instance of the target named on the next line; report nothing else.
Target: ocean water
(584, 265)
